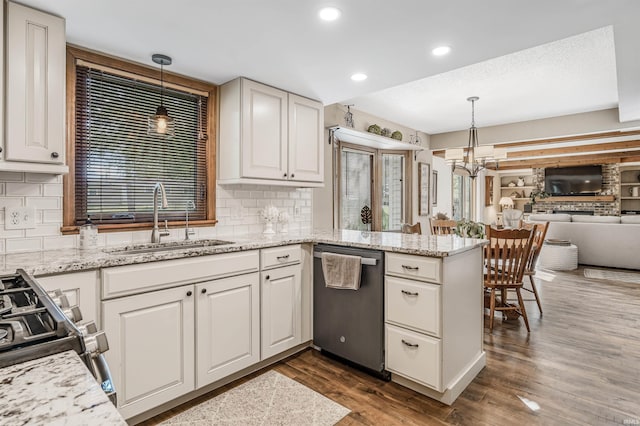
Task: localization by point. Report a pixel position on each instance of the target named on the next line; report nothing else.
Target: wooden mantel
(593, 198)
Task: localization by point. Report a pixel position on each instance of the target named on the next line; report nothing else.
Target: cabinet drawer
(280, 256)
(413, 304)
(131, 279)
(414, 356)
(414, 267)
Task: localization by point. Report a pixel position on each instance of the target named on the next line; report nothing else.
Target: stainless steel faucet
(187, 231)
(156, 234)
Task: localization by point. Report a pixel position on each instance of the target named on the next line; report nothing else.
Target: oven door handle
(106, 380)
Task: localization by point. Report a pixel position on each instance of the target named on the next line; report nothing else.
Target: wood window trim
(68, 201)
(376, 196)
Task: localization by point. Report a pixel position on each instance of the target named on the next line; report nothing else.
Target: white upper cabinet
(35, 91)
(306, 155)
(264, 131)
(269, 136)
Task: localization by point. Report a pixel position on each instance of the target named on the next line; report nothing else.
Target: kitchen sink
(173, 245)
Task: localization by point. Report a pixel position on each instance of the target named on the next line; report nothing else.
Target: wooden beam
(634, 144)
(603, 198)
(577, 160)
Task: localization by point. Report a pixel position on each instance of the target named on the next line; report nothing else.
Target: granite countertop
(70, 260)
(56, 389)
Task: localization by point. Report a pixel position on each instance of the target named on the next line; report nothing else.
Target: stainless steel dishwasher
(350, 323)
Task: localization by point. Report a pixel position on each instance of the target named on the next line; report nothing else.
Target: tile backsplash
(237, 211)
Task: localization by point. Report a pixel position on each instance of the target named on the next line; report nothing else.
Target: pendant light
(474, 158)
(160, 124)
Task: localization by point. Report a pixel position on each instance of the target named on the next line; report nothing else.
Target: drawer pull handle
(286, 256)
(411, 345)
(408, 293)
(410, 268)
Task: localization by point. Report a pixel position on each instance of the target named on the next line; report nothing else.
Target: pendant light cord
(161, 84)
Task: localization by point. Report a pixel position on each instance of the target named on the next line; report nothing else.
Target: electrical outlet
(296, 209)
(19, 218)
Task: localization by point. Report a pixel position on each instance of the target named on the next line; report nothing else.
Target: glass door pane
(393, 192)
(355, 190)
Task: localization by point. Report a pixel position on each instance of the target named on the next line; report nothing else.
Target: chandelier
(475, 157)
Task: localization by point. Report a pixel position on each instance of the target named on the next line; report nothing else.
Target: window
(116, 164)
(462, 193)
(372, 189)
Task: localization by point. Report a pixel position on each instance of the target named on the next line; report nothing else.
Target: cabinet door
(151, 347)
(281, 315)
(228, 326)
(306, 130)
(36, 66)
(81, 288)
(264, 131)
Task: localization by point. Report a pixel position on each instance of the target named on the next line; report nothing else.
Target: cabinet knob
(54, 155)
(0, 149)
(203, 291)
(292, 175)
(267, 277)
(189, 293)
(285, 175)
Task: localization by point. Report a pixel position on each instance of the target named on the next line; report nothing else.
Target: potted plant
(469, 229)
(537, 193)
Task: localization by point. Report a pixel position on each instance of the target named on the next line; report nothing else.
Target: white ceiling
(282, 43)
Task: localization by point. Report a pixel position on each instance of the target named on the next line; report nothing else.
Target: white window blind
(117, 163)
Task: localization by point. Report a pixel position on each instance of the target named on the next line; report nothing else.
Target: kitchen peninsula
(444, 325)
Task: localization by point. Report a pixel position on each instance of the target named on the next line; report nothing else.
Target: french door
(462, 197)
(372, 189)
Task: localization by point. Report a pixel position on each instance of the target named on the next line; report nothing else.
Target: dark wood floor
(580, 364)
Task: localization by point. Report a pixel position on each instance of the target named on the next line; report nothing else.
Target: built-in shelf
(630, 184)
(603, 198)
(630, 198)
(371, 140)
(517, 187)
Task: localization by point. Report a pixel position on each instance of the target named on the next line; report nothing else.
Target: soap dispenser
(88, 235)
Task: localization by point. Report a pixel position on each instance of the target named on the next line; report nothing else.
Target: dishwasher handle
(369, 261)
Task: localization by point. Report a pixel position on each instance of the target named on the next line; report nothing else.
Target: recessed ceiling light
(359, 77)
(329, 13)
(441, 50)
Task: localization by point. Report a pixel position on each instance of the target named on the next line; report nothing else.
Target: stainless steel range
(35, 323)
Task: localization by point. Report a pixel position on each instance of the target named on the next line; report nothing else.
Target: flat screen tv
(581, 180)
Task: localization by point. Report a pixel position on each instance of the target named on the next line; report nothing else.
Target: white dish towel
(341, 271)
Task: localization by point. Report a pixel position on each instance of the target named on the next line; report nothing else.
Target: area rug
(269, 399)
(627, 277)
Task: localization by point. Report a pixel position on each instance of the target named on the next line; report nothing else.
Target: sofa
(609, 241)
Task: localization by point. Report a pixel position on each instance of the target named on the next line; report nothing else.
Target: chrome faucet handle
(166, 231)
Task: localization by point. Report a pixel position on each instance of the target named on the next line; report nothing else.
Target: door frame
(376, 182)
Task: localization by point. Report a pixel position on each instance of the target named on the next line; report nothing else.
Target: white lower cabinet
(81, 289)
(151, 347)
(414, 356)
(227, 326)
(433, 322)
(281, 309)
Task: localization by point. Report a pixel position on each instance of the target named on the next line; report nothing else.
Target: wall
(237, 209)
(567, 125)
(323, 207)
(444, 186)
